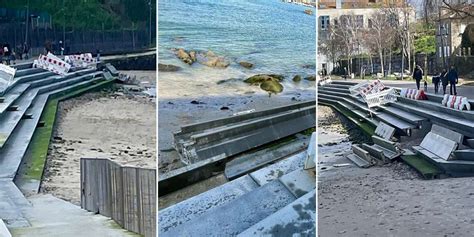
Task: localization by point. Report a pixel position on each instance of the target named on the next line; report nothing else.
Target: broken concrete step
(239, 214)
(184, 135)
(194, 207)
(300, 181)
(470, 142)
(454, 168)
(342, 106)
(246, 163)
(375, 152)
(236, 139)
(386, 144)
(409, 117)
(299, 217)
(359, 161)
(422, 166)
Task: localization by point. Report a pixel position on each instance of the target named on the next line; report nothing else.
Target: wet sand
(116, 125)
(390, 200)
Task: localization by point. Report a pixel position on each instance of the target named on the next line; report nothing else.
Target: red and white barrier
(52, 63)
(7, 74)
(325, 80)
(374, 87)
(81, 60)
(413, 94)
(355, 90)
(380, 98)
(456, 102)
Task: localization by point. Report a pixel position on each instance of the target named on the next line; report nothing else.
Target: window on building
(359, 21)
(324, 21)
(370, 23)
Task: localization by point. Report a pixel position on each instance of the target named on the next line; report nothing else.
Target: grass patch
(38, 150)
(422, 166)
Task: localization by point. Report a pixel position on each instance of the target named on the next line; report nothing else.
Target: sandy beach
(116, 125)
(390, 200)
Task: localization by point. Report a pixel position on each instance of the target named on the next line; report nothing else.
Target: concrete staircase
(20, 111)
(276, 196)
(409, 115)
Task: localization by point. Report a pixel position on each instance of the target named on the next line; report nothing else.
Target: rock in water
(246, 64)
(297, 78)
(272, 87)
(260, 78)
(167, 68)
(184, 56)
(210, 59)
(310, 78)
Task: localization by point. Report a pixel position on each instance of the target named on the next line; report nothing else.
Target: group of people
(8, 54)
(445, 77)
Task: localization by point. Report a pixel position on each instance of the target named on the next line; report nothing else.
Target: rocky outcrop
(297, 78)
(210, 59)
(246, 64)
(310, 78)
(185, 56)
(168, 68)
(268, 82)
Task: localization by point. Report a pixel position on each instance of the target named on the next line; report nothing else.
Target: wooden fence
(125, 194)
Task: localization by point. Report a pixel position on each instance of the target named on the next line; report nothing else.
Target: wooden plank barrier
(125, 194)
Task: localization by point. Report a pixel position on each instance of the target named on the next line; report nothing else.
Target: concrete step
(401, 114)
(28, 71)
(19, 89)
(11, 203)
(194, 208)
(360, 114)
(297, 218)
(465, 154)
(341, 82)
(299, 182)
(244, 164)
(14, 149)
(10, 119)
(338, 85)
(183, 212)
(459, 124)
(27, 78)
(333, 89)
(435, 106)
(454, 168)
(358, 161)
(22, 66)
(239, 214)
(422, 166)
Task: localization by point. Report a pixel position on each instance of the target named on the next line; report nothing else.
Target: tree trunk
(381, 61)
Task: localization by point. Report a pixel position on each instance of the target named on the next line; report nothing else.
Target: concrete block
(361, 153)
(277, 170)
(109, 67)
(310, 161)
(387, 144)
(447, 133)
(358, 161)
(4, 232)
(375, 152)
(384, 130)
(467, 154)
(439, 145)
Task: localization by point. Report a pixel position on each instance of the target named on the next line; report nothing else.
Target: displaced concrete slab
(439, 145)
(384, 130)
(194, 207)
(358, 161)
(277, 170)
(300, 181)
(447, 133)
(238, 215)
(296, 219)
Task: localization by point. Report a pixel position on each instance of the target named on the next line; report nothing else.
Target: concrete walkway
(50, 217)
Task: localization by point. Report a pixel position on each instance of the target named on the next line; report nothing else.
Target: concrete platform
(277, 170)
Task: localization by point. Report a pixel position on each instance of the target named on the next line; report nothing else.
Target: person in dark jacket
(453, 80)
(444, 80)
(436, 80)
(418, 75)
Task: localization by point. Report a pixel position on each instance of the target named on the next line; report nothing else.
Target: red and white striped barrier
(7, 74)
(380, 98)
(81, 60)
(325, 80)
(456, 102)
(355, 90)
(374, 87)
(413, 94)
(52, 63)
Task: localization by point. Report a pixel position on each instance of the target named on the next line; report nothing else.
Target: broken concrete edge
(4, 232)
(190, 174)
(365, 127)
(38, 148)
(190, 128)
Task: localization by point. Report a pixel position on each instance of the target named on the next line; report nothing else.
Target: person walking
(436, 80)
(418, 75)
(7, 53)
(453, 80)
(444, 80)
(26, 49)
